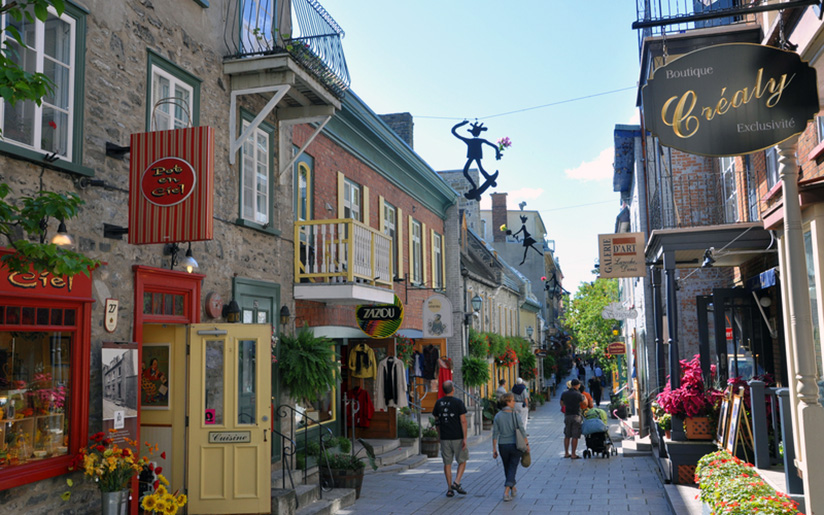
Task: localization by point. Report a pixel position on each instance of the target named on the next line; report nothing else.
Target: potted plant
(430, 440)
(691, 403)
(475, 371)
(308, 364)
(345, 470)
(665, 424)
(727, 483)
(490, 407)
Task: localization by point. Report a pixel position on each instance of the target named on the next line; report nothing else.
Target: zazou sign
(617, 311)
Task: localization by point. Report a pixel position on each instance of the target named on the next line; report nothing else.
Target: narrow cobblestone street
(551, 485)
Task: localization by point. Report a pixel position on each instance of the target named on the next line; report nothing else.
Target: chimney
(402, 124)
(498, 216)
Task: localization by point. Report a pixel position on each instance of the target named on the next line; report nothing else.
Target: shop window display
(34, 390)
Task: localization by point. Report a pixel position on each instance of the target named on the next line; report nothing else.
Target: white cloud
(636, 118)
(598, 169)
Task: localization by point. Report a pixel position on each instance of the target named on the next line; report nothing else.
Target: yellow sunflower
(161, 491)
(170, 506)
(149, 503)
(181, 500)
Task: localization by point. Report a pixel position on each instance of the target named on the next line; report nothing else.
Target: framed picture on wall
(735, 419)
(154, 378)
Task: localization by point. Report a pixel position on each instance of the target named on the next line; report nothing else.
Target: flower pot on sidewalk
(430, 446)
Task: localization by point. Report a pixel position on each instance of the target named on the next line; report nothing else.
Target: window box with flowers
(730, 485)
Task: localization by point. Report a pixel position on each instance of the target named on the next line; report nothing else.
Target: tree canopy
(590, 331)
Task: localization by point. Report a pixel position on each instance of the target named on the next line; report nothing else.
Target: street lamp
(476, 301)
(529, 332)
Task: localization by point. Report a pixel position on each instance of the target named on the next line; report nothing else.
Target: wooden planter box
(698, 428)
(430, 446)
(344, 478)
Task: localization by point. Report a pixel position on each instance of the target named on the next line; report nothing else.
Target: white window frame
(752, 190)
(173, 121)
(390, 229)
(417, 252)
(353, 205)
(771, 158)
(727, 167)
(819, 126)
(437, 261)
(259, 144)
(303, 204)
(40, 59)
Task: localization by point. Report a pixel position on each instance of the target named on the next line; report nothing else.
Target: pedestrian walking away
(521, 394)
(501, 389)
(571, 402)
(504, 442)
(596, 390)
(450, 417)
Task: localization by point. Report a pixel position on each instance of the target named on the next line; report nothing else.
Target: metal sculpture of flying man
(528, 241)
(474, 152)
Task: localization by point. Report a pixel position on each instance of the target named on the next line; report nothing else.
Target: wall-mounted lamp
(476, 303)
(188, 262)
(231, 312)
(284, 315)
(62, 238)
(529, 332)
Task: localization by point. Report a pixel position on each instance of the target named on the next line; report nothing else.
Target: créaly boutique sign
(730, 99)
(621, 255)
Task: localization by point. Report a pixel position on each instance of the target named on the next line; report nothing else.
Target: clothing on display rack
(444, 374)
(365, 407)
(390, 385)
(431, 354)
(417, 364)
(362, 363)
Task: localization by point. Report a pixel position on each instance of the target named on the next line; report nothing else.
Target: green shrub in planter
(312, 449)
(407, 428)
(731, 485)
(342, 461)
(430, 432)
(665, 422)
(342, 443)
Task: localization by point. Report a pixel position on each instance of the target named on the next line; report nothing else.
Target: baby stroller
(596, 433)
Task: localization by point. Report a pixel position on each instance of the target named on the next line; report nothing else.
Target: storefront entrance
(732, 335)
(229, 442)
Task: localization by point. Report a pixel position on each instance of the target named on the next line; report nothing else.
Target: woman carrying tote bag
(504, 440)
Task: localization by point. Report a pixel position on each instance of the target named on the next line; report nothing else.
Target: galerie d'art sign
(380, 320)
(730, 99)
(171, 186)
(621, 255)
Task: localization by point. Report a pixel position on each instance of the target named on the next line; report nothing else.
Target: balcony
(293, 43)
(342, 262)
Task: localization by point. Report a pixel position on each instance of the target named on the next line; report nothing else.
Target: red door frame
(46, 291)
(160, 280)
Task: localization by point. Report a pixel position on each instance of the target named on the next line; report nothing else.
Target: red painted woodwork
(46, 291)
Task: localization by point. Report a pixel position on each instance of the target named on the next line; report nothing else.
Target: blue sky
(448, 60)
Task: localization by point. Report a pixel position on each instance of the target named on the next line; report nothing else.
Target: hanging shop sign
(621, 255)
(437, 317)
(617, 348)
(171, 186)
(44, 283)
(617, 311)
(730, 99)
(380, 320)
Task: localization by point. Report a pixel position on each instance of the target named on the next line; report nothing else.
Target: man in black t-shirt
(450, 416)
(573, 421)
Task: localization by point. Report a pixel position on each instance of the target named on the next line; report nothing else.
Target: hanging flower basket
(507, 359)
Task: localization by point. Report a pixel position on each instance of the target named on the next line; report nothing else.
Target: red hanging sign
(617, 348)
(171, 185)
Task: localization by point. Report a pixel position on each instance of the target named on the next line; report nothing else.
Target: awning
(733, 244)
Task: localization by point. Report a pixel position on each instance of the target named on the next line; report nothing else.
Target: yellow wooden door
(229, 418)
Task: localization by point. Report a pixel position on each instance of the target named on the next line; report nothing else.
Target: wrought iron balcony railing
(655, 16)
(342, 251)
(308, 33)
